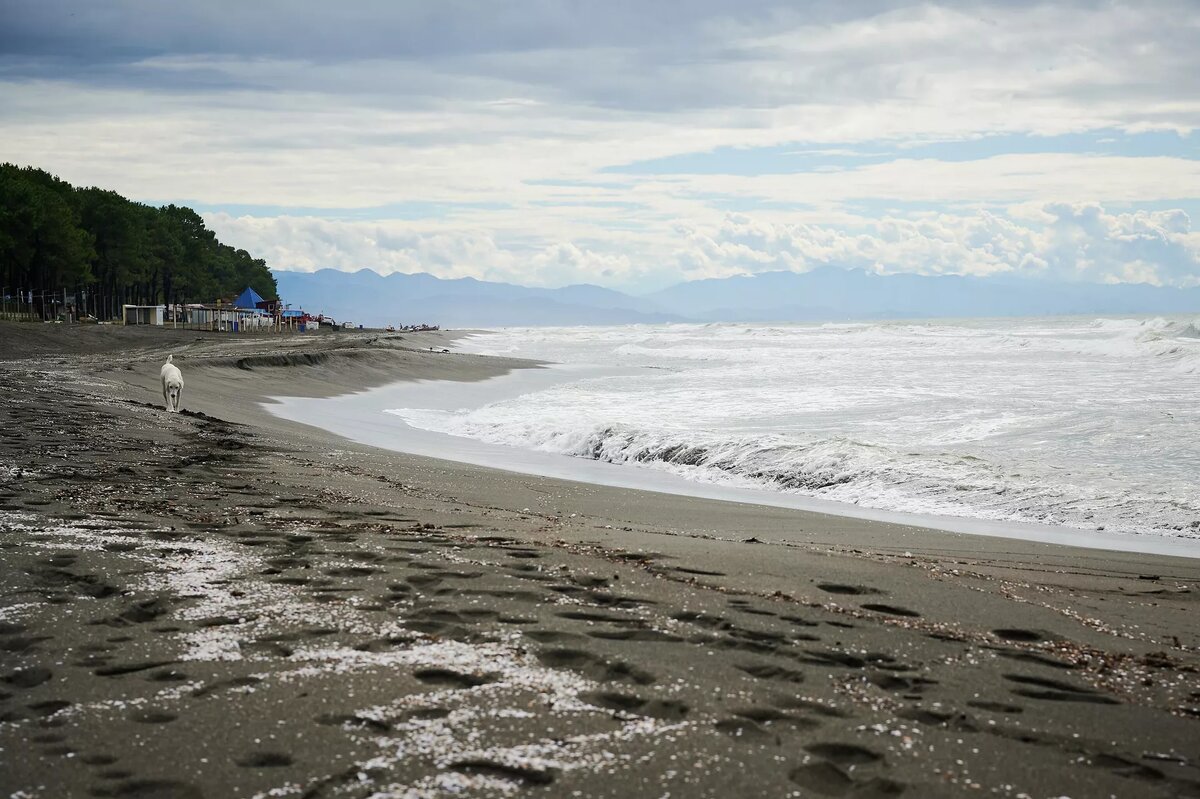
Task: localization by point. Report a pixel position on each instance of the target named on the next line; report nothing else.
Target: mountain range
(825, 294)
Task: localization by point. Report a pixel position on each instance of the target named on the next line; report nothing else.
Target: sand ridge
(218, 603)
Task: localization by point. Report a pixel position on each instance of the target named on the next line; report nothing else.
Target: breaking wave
(1086, 423)
(1170, 341)
(857, 472)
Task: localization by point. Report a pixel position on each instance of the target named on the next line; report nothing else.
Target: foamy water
(1091, 424)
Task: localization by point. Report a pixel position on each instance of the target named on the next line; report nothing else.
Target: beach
(224, 603)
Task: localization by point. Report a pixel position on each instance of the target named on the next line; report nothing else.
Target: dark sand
(220, 603)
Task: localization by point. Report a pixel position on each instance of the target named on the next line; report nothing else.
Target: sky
(633, 144)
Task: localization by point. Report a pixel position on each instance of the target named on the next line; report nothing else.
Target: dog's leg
(166, 398)
(178, 398)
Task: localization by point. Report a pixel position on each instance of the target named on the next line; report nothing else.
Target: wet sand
(221, 603)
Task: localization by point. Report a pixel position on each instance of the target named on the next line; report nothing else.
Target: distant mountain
(368, 298)
(826, 294)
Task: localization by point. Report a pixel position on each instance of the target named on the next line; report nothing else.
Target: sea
(1085, 423)
(1074, 430)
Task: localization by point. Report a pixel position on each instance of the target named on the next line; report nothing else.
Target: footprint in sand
(772, 717)
(265, 760)
(49, 707)
(167, 675)
(553, 636)
(121, 669)
(48, 738)
(216, 687)
(668, 709)
(646, 635)
(524, 774)
(742, 729)
(844, 754)
(849, 590)
(150, 789)
(794, 703)
(996, 707)
(701, 619)
(1057, 691)
(930, 718)
(595, 667)
(351, 721)
(98, 759)
(1023, 636)
(827, 779)
(817, 657)
(770, 671)
(452, 679)
(27, 678)
(891, 610)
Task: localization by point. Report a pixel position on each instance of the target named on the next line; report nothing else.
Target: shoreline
(224, 603)
(366, 417)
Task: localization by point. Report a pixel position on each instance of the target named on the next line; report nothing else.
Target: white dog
(172, 384)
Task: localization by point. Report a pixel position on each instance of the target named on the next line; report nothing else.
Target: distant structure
(143, 314)
(249, 300)
(248, 312)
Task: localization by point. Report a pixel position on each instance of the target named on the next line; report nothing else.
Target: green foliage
(54, 236)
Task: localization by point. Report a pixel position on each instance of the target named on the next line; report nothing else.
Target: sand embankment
(222, 603)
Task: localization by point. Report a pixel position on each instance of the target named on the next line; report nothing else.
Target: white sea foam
(1092, 424)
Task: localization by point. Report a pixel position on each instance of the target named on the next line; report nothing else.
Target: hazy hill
(823, 294)
(365, 297)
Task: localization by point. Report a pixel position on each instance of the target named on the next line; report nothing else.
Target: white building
(143, 314)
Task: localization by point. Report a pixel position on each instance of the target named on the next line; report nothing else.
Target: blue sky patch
(813, 157)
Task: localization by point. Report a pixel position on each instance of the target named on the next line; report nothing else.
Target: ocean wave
(1063, 421)
(847, 470)
(1171, 342)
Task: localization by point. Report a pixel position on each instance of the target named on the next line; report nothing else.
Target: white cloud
(1056, 240)
(305, 244)
(1065, 241)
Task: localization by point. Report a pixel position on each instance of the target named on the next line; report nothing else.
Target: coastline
(367, 417)
(785, 650)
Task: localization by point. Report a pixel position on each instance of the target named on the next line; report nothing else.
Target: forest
(94, 250)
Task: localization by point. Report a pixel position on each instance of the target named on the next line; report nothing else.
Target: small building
(143, 314)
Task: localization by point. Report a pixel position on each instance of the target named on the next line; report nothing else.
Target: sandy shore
(221, 603)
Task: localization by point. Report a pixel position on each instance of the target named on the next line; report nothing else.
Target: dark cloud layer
(602, 53)
(118, 31)
(619, 54)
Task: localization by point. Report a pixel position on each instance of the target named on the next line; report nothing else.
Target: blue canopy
(248, 299)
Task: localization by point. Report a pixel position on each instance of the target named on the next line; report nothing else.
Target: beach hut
(143, 314)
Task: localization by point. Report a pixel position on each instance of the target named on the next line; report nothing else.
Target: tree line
(96, 250)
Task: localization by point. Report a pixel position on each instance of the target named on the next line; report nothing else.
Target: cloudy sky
(633, 144)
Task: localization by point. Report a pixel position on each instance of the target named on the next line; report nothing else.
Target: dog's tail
(170, 358)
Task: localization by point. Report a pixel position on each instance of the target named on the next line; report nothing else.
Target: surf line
(364, 417)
